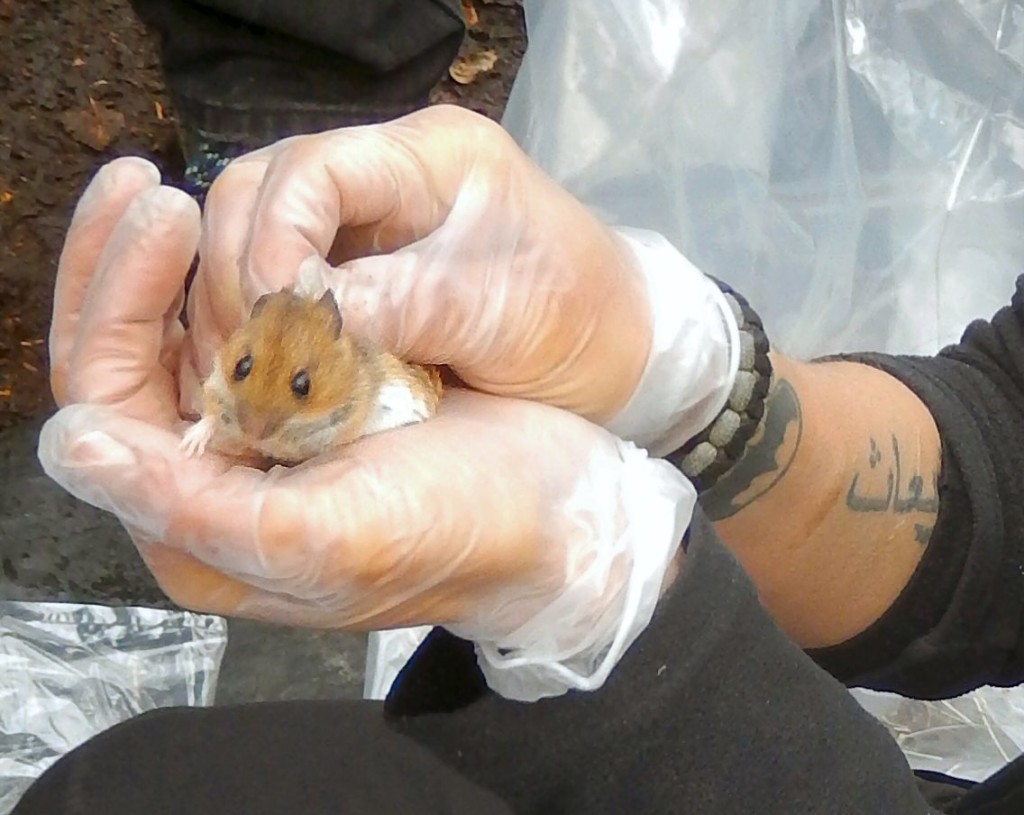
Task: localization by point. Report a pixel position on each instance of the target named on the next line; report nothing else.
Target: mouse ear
(259, 305)
(328, 302)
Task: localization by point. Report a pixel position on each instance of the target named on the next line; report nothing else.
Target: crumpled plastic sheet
(69, 672)
(387, 652)
(854, 168)
(967, 737)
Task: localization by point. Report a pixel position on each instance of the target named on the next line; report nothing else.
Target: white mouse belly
(396, 406)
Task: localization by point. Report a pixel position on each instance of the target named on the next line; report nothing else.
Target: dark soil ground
(80, 84)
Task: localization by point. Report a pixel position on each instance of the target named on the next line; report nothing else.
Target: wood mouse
(290, 384)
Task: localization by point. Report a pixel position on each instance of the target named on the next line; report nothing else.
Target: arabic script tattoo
(900, 493)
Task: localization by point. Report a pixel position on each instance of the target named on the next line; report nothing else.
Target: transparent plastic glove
(444, 242)
(540, 536)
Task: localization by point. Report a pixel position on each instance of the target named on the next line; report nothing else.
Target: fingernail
(158, 206)
(117, 172)
(96, 449)
(311, 278)
(160, 199)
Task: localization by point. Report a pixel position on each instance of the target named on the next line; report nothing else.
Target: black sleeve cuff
(957, 624)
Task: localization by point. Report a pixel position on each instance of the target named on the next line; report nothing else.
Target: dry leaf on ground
(467, 67)
(97, 126)
(472, 18)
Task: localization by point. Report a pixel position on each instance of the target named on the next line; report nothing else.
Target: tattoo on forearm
(766, 460)
(901, 493)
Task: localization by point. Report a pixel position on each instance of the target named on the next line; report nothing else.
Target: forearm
(831, 507)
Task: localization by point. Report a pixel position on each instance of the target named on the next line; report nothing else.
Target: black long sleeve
(959, 623)
(252, 72)
(713, 710)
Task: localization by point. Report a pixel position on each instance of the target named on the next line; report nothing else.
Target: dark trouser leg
(244, 73)
(298, 757)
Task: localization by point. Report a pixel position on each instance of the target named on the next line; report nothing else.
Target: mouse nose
(258, 425)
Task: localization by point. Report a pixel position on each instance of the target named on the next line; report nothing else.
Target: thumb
(404, 302)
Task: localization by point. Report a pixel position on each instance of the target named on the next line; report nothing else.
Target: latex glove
(538, 535)
(455, 248)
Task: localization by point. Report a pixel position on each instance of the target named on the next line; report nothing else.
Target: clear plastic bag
(386, 655)
(855, 168)
(969, 737)
(68, 672)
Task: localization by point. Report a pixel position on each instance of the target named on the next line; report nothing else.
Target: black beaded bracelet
(706, 457)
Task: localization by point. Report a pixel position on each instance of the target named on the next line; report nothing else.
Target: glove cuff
(695, 349)
(613, 586)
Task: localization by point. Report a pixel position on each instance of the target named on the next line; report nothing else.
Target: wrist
(694, 352)
(718, 448)
(619, 332)
(828, 561)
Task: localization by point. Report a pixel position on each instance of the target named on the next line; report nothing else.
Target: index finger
(99, 210)
(120, 353)
(352, 192)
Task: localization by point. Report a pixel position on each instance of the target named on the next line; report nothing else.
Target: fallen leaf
(468, 67)
(97, 126)
(6, 197)
(78, 62)
(472, 18)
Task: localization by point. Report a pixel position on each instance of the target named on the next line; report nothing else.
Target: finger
(353, 191)
(204, 507)
(189, 582)
(380, 297)
(98, 212)
(227, 222)
(215, 307)
(123, 323)
(197, 522)
(194, 585)
(358, 533)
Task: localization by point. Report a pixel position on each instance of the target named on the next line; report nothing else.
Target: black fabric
(713, 710)
(960, 621)
(253, 71)
(305, 758)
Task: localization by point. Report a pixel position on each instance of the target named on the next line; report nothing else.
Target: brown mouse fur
(290, 383)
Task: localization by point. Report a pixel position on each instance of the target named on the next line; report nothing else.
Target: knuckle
(177, 583)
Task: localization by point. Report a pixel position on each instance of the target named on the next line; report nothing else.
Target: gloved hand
(455, 248)
(540, 536)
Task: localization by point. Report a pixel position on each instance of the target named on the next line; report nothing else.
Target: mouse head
(288, 365)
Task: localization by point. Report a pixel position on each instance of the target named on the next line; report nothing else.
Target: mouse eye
(243, 368)
(300, 384)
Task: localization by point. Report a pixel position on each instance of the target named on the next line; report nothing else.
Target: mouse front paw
(197, 437)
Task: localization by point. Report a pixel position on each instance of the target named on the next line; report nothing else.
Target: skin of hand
(477, 517)
(436, 212)
(832, 506)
